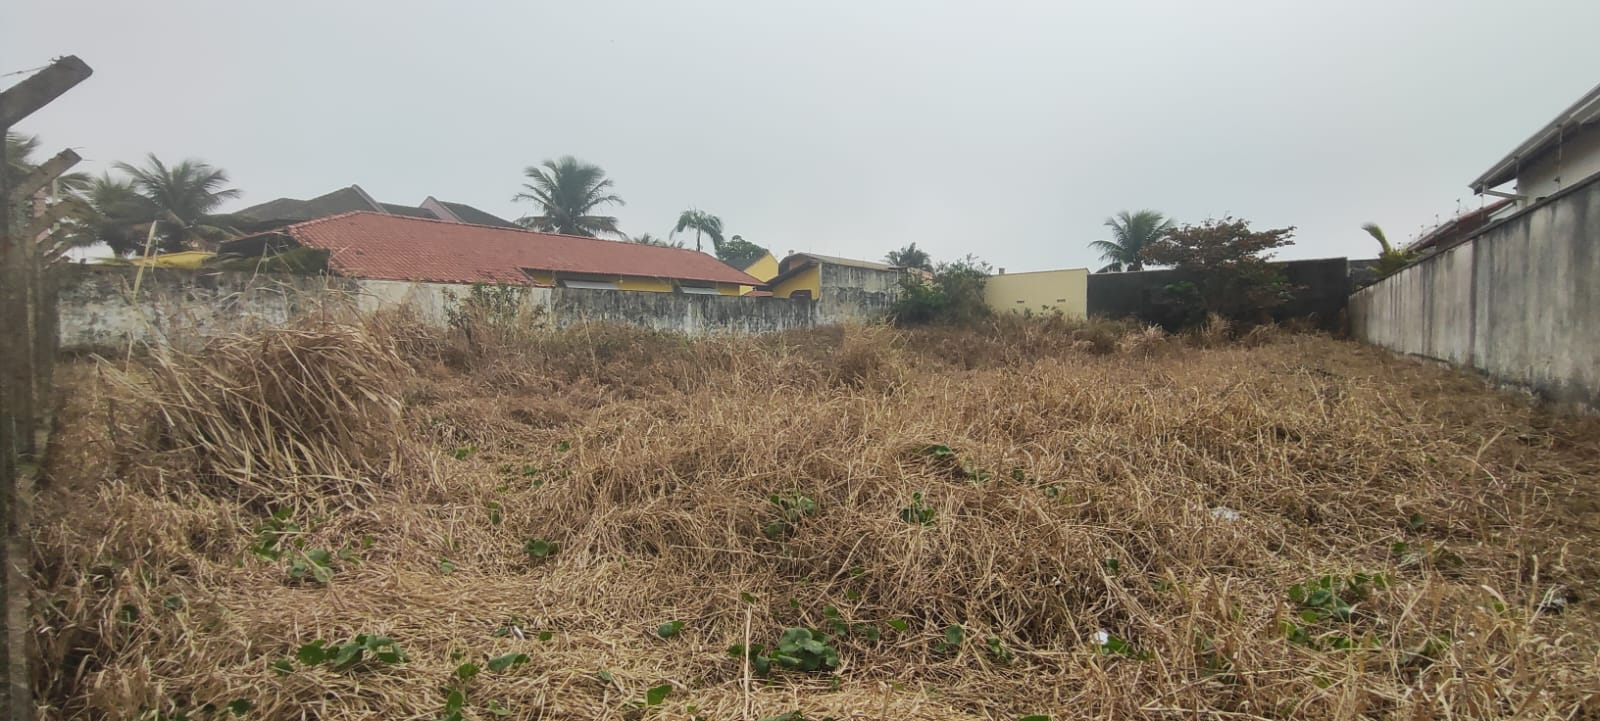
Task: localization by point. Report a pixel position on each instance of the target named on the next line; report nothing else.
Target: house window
(698, 289)
(801, 294)
(589, 284)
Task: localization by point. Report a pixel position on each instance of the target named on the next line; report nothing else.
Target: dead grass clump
(310, 409)
(1145, 343)
(977, 532)
(1215, 333)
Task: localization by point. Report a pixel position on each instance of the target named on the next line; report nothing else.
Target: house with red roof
(379, 246)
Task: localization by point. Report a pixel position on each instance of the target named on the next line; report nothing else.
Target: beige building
(1044, 291)
(1562, 154)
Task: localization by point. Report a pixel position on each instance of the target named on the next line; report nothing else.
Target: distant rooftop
(284, 211)
(382, 246)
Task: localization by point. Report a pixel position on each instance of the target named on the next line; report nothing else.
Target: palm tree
(19, 152)
(1131, 233)
(701, 222)
(182, 200)
(1390, 259)
(19, 162)
(648, 239)
(110, 211)
(568, 191)
(910, 257)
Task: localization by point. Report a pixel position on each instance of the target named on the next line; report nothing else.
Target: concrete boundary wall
(1519, 301)
(100, 311)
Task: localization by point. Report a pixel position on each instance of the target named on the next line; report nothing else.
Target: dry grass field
(375, 521)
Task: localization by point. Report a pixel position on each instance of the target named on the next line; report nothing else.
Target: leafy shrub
(952, 296)
(798, 649)
(1329, 599)
(1226, 270)
(791, 509)
(360, 652)
(917, 513)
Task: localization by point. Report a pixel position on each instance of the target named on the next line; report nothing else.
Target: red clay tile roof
(391, 247)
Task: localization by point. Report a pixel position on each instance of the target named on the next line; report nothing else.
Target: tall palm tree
(19, 162)
(19, 154)
(701, 222)
(568, 191)
(1131, 233)
(910, 257)
(182, 201)
(109, 210)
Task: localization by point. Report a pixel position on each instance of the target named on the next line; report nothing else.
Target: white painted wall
(1579, 159)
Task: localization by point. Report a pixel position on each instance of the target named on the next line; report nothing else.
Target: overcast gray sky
(1005, 129)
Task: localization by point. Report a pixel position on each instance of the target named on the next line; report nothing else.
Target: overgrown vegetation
(953, 295)
(1391, 260)
(1018, 519)
(1227, 271)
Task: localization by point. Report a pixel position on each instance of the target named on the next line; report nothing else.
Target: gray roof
(409, 211)
(1583, 115)
(469, 214)
(850, 262)
(343, 200)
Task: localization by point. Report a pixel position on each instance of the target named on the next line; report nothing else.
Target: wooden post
(26, 97)
(27, 354)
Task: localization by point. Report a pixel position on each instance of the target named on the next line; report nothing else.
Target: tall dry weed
(310, 409)
(997, 526)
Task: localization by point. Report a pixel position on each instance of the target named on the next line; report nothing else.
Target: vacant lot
(1036, 520)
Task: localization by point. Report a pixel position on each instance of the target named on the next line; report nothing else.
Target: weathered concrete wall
(681, 312)
(1519, 301)
(182, 308)
(179, 306)
(1324, 287)
(856, 295)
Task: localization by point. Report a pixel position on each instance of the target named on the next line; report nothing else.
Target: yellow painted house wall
(650, 285)
(1043, 291)
(808, 279)
(765, 268)
(633, 283)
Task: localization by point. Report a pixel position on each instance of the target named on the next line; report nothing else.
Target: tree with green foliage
(110, 211)
(910, 257)
(952, 296)
(568, 192)
(182, 200)
(700, 222)
(1131, 233)
(739, 253)
(20, 161)
(1391, 260)
(1225, 270)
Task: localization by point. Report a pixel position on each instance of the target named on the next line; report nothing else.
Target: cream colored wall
(809, 279)
(1580, 158)
(1044, 291)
